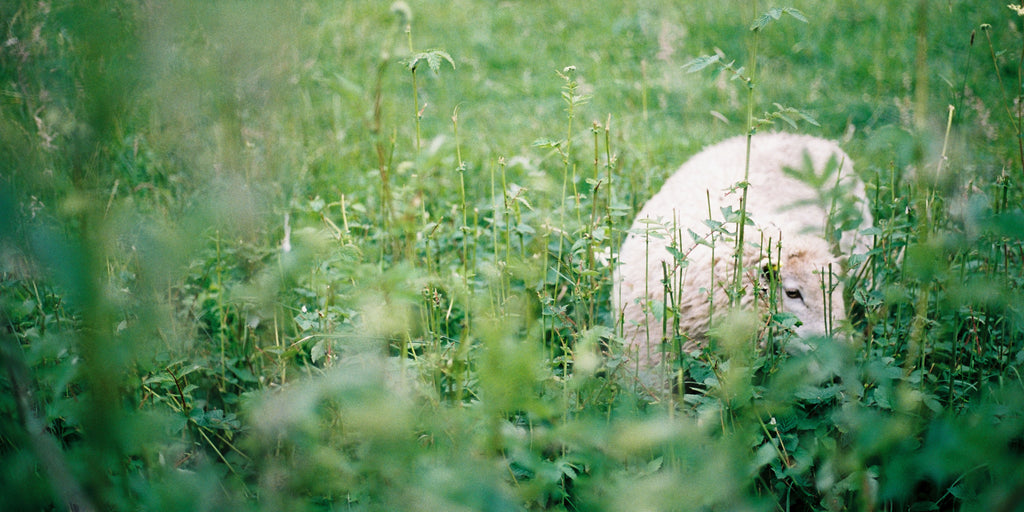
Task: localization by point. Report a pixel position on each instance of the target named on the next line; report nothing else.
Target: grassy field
(312, 255)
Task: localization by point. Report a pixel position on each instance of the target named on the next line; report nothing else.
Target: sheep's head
(809, 285)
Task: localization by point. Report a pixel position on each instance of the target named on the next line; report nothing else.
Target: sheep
(789, 215)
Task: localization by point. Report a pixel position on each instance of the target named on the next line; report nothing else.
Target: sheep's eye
(793, 294)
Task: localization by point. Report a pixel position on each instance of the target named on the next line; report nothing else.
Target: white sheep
(787, 212)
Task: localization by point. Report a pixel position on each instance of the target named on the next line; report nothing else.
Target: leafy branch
(785, 114)
(433, 58)
(719, 58)
(753, 123)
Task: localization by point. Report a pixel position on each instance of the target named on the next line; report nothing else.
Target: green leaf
(700, 63)
(318, 351)
(546, 143)
(807, 118)
(524, 229)
(765, 454)
(677, 255)
(317, 204)
(787, 119)
(434, 58)
(775, 13)
(244, 374)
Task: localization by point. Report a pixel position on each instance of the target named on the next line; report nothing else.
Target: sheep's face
(810, 288)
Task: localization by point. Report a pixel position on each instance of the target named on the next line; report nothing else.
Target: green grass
(437, 334)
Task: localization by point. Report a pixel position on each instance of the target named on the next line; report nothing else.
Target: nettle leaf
(434, 58)
(547, 143)
(678, 256)
(787, 119)
(795, 13)
(318, 351)
(783, 111)
(807, 117)
(575, 99)
(785, 114)
(775, 13)
(700, 63)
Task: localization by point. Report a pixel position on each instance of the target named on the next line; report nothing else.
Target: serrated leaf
(700, 63)
(677, 255)
(546, 143)
(760, 22)
(434, 58)
(787, 119)
(318, 351)
(774, 14)
(795, 13)
(807, 117)
(523, 201)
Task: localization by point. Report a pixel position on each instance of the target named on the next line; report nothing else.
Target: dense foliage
(312, 255)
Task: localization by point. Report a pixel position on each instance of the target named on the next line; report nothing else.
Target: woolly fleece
(784, 209)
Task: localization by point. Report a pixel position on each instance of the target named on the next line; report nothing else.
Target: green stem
(415, 91)
(737, 285)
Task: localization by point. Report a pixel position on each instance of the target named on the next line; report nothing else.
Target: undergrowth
(265, 259)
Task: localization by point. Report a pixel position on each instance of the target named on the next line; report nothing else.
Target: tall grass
(236, 273)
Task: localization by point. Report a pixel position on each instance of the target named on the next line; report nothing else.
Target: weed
(235, 273)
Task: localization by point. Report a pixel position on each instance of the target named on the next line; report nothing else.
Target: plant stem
(921, 67)
(737, 285)
(465, 226)
(415, 91)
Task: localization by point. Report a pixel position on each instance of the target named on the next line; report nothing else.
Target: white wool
(785, 210)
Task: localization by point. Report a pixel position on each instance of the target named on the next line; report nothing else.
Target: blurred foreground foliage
(252, 256)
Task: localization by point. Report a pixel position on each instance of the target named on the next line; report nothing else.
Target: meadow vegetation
(313, 255)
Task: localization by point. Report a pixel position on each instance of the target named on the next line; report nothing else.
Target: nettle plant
(415, 324)
(904, 292)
